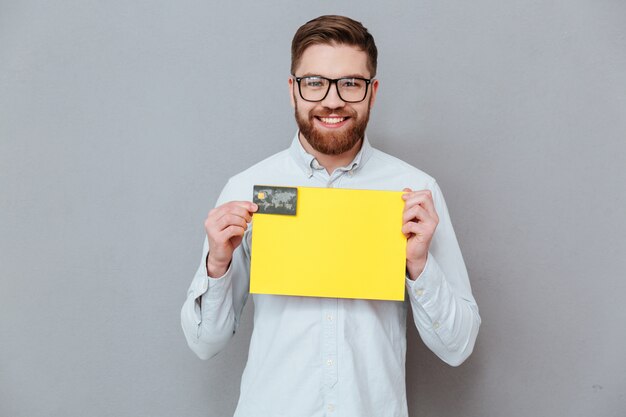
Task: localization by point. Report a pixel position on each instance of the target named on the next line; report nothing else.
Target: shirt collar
(308, 163)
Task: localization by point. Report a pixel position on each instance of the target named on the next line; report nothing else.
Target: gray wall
(120, 121)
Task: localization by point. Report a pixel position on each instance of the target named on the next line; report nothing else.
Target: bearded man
(313, 356)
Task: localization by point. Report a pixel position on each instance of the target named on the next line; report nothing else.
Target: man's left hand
(419, 221)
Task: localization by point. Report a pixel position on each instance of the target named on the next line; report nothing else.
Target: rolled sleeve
(207, 310)
(428, 295)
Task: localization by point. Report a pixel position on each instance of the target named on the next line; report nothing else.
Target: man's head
(333, 47)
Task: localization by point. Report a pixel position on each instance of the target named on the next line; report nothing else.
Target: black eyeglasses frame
(331, 82)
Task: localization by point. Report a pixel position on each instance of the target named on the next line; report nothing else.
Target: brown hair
(331, 29)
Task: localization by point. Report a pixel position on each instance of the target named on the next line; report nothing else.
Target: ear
(374, 89)
(291, 87)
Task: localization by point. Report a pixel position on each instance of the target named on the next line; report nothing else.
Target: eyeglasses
(349, 89)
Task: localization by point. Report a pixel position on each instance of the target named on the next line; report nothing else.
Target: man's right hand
(225, 226)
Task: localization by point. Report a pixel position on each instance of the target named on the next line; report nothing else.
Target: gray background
(120, 122)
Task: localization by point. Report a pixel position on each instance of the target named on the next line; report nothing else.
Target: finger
(248, 206)
(230, 232)
(408, 193)
(415, 199)
(230, 220)
(243, 208)
(243, 213)
(423, 198)
(412, 228)
(429, 204)
(221, 215)
(408, 196)
(416, 212)
(421, 231)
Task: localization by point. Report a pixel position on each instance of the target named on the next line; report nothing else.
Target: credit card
(275, 200)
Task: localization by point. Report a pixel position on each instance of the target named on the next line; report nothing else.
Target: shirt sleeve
(211, 313)
(444, 310)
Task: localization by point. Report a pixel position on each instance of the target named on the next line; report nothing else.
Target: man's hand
(419, 221)
(225, 226)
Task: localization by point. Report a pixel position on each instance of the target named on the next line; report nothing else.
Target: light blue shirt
(313, 357)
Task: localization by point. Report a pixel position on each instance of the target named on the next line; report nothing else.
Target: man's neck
(331, 162)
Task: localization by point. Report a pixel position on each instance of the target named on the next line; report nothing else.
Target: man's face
(332, 126)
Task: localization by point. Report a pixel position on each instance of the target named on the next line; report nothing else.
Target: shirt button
(436, 325)
(331, 407)
(329, 362)
(419, 292)
(329, 317)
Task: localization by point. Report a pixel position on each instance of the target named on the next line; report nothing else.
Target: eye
(351, 83)
(314, 82)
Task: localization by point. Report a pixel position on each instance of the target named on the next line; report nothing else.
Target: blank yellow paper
(341, 243)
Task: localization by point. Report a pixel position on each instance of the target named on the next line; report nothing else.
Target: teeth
(332, 120)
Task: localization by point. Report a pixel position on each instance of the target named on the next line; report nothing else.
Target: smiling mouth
(331, 120)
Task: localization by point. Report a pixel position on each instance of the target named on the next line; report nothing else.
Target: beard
(332, 143)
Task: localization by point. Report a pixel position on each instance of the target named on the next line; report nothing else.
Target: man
(320, 356)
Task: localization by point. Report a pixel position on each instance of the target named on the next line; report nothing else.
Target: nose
(332, 99)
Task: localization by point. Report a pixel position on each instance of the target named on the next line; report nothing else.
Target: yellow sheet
(341, 243)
